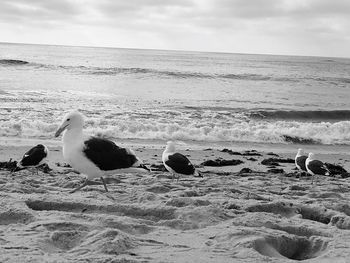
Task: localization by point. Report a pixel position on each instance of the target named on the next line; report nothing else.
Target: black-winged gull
(300, 159)
(35, 157)
(93, 156)
(176, 163)
(315, 167)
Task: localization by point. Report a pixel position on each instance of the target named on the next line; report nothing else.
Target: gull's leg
(300, 175)
(313, 177)
(78, 188)
(104, 184)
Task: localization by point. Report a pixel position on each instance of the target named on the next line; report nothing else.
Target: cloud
(141, 7)
(257, 9)
(266, 26)
(37, 11)
(174, 13)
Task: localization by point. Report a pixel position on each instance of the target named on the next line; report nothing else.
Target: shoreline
(198, 145)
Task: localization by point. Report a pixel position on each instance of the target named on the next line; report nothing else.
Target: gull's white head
(311, 156)
(170, 146)
(72, 120)
(300, 152)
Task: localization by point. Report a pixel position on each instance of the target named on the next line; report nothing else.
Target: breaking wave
(316, 115)
(278, 132)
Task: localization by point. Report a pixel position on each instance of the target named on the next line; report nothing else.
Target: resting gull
(315, 167)
(35, 157)
(176, 163)
(300, 159)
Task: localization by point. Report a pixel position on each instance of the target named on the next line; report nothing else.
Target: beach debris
(245, 153)
(276, 171)
(221, 162)
(276, 161)
(345, 175)
(335, 169)
(296, 187)
(218, 173)
(252, 159)
(9, 165)
(245, 170)
(44, 168)
(230, 205)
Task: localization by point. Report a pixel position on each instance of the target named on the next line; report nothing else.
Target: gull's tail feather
(18, 167)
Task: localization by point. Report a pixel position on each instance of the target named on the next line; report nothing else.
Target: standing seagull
(300, 160)
(93, 156)
(176, 163)
(35, 157)
(315, 167)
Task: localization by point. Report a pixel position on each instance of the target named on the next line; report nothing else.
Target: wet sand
(226, 216)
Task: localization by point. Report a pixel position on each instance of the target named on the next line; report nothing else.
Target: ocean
(174, 95)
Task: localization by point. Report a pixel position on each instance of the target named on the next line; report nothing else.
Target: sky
(287, 27)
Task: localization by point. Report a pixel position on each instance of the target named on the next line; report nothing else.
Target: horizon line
(172, 50)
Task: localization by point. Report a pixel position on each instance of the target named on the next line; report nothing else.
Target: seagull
(300, 159)
(35, 157)
(93, 156)
(176, 163)
(315, 167)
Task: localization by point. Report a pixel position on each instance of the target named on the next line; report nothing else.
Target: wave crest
(261, 131)
(318, 115)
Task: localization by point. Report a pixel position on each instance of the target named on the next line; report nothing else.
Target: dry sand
(225, 216)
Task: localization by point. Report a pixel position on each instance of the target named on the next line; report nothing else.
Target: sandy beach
(229, 94)
(227, 216)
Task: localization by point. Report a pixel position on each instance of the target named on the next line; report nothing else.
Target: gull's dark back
(106, 155)
(301, 162)
(34, 156)
(180, 164)
(317, 167)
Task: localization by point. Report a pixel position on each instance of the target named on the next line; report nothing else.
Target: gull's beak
(61, 129)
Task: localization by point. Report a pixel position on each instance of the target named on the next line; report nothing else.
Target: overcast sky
(296, 27)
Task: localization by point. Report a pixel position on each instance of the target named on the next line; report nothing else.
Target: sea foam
(240, 131)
